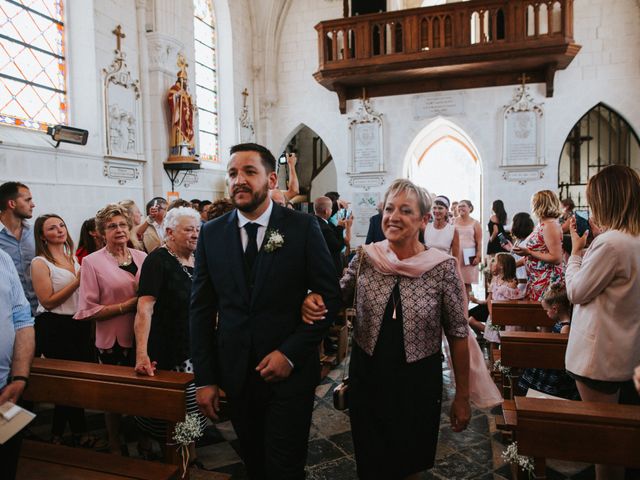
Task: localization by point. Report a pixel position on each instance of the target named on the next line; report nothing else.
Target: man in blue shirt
(17, 346)
(16, 235)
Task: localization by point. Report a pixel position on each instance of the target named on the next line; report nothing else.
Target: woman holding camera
(407, 295)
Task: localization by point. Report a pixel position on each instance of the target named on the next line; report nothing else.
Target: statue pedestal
(178, 164)
(183, 159)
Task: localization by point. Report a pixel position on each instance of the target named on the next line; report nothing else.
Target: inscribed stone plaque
(366, 149)
(364, 207)
(432, 105)
(522, 139)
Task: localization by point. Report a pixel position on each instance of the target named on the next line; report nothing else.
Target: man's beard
(23, 215)
(257, 198)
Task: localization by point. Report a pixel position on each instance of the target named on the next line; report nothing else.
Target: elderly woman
(162, 320)
(108, 295)
(138, 226)
(543, 248)
(603, 282)
(406, 296)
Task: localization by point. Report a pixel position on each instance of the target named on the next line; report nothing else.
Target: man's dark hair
(334, 196)
(521, 225)
(268, 160)
(160, 200)
(9, 191)
(203, 204)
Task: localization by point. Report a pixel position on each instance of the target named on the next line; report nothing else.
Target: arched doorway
(444, 160)
(315, 169)
(601, 137)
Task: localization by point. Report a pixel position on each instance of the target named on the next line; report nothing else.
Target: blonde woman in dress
(470, 234)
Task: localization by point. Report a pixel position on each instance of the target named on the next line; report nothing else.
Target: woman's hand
(476, 260)
(460, 414)
(522, 251)
(130, 305)
(313, 308)
(144, 365)
(595, 230)
(577, 242)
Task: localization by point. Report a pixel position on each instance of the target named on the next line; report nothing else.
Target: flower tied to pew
(184, 434)
(511, 456)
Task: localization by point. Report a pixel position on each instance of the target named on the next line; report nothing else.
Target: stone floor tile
(341, 469)
(457, 467)
(330, 421)
(322, 451)
(218, 455)
(344, 441)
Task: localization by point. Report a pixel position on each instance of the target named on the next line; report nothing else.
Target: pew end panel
(579, 431)
(520, 313)
(533, 349)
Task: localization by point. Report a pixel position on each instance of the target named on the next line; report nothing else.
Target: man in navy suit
(254, 268)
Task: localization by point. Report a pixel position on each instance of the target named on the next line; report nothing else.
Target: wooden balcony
(479, 43)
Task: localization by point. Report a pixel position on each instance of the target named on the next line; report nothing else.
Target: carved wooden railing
(434, 30)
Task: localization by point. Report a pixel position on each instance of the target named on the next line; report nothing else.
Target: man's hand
(292, 160)
(208, 399)
(313, 308)
(460, 414)
(274, 367)
(12, 392)
(144, 365)
(577, 242)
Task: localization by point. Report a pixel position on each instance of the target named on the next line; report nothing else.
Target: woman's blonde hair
(556, 294)
(107, 213)
(614, 197)
(404, 185)
(545, 204)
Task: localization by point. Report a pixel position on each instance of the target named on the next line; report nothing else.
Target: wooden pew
(519, 313)
(533, 349)
(106, 388)
(579, 431)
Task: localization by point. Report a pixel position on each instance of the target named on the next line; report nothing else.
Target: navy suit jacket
(254, 322)
(374, 234)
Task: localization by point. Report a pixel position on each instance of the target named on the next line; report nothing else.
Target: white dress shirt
(262, 221)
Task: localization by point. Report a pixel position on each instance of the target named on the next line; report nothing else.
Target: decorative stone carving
(366, 140)
(121, 171)
(364, 207)
(122, 107)
(163, 51)
(366, 182)
(245, 125)
(523, 144)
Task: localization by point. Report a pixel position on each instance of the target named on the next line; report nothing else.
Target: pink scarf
(483, 392)
(385, 261)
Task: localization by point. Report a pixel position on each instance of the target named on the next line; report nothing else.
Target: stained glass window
(32, 63)
(206, 79)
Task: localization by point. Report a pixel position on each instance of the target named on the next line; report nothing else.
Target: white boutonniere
(275, 240)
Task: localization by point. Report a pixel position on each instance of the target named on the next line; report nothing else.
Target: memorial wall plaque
(364, 207)
(434, 104)
(523, 131)
(366, 141)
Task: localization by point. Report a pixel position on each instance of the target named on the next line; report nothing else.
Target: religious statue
(181, 107)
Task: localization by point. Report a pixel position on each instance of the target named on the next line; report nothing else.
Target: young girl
(553, 382)
(504, 286)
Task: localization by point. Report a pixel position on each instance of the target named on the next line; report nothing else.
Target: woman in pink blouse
(108, 295)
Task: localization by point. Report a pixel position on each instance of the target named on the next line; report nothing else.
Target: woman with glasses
(108, 295)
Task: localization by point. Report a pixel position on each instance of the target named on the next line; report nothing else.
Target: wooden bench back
(579, 431)
(533, 349)
(108, 388)
(520, 313)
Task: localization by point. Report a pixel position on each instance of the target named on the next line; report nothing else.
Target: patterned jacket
(430, 303)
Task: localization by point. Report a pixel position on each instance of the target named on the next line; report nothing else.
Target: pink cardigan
(103, 282)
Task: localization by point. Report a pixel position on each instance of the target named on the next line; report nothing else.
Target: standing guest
(56, 277)
(496, 224)
(17, 346)
(261, 353)
(162, 318)
(441, 233)
(219, 207)
(205, 205)
(281, 197)
(603, 283)
(278, 197)
(407, 295)
(521, 228)
(470, 234)
(137, 231)
(195, 204)
(90, 239)
(375, 234)
(333, 235)
(154, 233)
(543, 248)
(16, 234)
(454, 209)
(178, 202)
(568, 206)
(108, 295)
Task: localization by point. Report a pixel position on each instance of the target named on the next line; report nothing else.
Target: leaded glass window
(32, 64)
(206, 79)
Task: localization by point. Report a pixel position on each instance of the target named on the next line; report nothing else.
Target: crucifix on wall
(119, 36)
(575, 141)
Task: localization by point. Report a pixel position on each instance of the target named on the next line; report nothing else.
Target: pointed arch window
(32, 64)
(600, 138)
(204, 29)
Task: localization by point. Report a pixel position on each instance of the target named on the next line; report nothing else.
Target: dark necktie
(251, 252)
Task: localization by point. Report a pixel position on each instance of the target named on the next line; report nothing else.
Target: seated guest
(333, 235)
(139, 227)
(154, 233)
(219, 208)
(90, 239)
(55, 274)
(162, 319)
(108, 295)
(17, 346)
(553, 382)
(603, 283)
